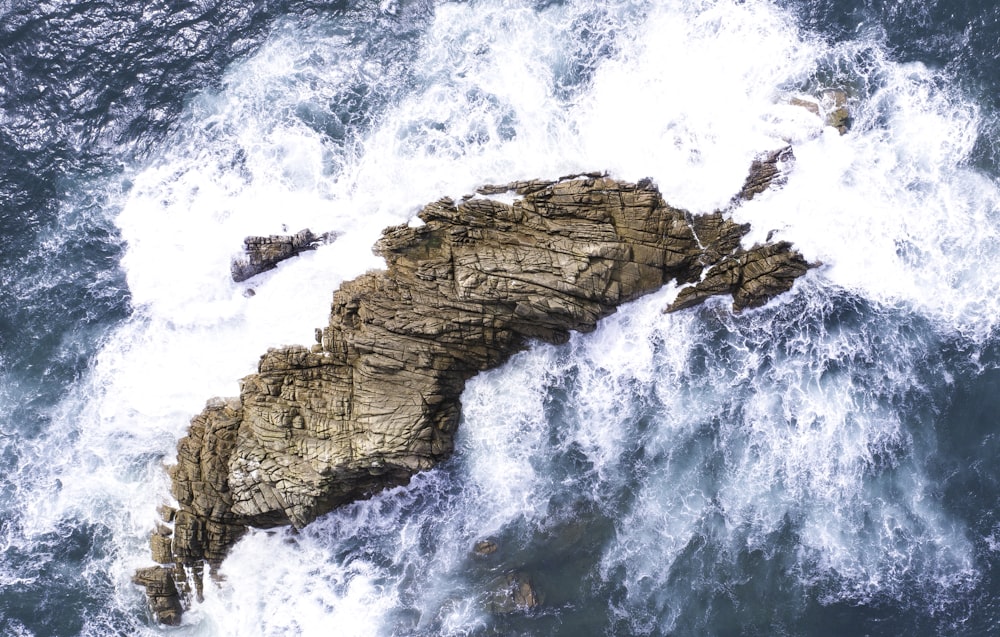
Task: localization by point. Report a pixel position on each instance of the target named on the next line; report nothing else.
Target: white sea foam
(290, 586)
(721, 427)
(919, 225)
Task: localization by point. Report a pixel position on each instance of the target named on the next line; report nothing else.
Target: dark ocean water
(823, 466)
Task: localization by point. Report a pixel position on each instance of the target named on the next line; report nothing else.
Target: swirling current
(824, 465)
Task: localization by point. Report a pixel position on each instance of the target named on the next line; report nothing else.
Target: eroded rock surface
(161, 591)
(377, 398)
(769, 170)
(265, 253)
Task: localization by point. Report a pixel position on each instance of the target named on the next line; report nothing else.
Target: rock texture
(265, 253)
(766, 171)
(377, 398)
(161, 591)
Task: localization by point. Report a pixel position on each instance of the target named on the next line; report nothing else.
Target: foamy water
(654, 458)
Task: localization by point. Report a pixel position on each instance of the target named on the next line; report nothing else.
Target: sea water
(824, 465)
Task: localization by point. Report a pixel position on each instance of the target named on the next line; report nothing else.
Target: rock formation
(511, 593)
(831, 107)
(164, 599)
(766, 171)
(377, 398)
(265, 253)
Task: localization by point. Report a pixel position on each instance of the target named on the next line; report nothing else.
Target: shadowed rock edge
(377, 398)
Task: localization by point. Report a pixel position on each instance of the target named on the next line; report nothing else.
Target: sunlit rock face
(377, 398)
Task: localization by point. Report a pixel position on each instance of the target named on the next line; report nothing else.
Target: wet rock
(766, 171)
(753, 277)
(166, 512)
(483, 548)
(831, 107)
(159, 545)
(512, 593)
(161, 592)
(265, 253)
(377, 398)
(837, 114)
(808, 104)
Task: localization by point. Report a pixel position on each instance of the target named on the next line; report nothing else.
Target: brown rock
(752, 276)
(159, 545)
(377, 399)
(832, 107)
(485, 547)
(768, 170)
(837, 114)
(808, 104)
(166, 513)
(161, 593)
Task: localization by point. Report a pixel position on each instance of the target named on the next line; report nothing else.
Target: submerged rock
(808, 104)
(831, 107)
(377, 398)
(483, 548)
(837, 114)
(511, 593)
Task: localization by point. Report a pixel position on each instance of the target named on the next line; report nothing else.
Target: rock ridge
(376, 399)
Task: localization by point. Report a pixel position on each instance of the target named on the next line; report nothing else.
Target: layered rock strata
(376, 399)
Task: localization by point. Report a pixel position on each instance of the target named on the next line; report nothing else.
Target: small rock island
(377, 398)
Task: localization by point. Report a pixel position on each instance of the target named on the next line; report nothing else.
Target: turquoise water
(821, 466)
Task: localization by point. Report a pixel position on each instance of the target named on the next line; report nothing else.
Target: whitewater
(822, 465)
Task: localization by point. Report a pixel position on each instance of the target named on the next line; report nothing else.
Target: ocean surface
(825, 465)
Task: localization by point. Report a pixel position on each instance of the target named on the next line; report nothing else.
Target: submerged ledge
(376, 399)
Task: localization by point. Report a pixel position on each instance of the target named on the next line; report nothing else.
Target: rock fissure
(376, 399)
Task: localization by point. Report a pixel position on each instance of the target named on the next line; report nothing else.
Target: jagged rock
(512, 593)
(264, 253)
(377, 398)
(161, 592)
(766, 171)
(752, 276)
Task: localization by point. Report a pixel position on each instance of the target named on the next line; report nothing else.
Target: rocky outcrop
(376, 399)
(265, 253)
